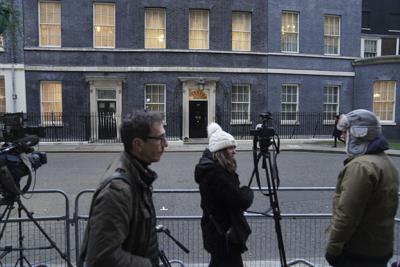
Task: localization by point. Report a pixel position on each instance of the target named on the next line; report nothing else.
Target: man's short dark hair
(138, 125)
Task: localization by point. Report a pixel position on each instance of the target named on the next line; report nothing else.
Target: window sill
(328, 122)
(290, 123)
(336, 55)
(241, 122)
(1, 49)
(51, 125)
(388, 123)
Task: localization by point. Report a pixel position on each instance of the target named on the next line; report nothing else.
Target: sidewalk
(310, 145)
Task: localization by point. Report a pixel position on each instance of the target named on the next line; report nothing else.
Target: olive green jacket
(364, 207)
(118, 229)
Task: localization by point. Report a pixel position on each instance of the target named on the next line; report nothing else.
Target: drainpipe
(14, 90)
(13, 38)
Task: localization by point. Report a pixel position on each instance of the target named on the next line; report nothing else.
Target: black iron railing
(103, 127)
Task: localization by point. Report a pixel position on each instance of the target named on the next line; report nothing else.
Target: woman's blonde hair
(225, 161)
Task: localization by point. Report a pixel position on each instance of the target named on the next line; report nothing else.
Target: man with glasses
(121, 227)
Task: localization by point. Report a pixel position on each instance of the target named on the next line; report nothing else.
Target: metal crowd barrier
(28, 246)
(303, 233)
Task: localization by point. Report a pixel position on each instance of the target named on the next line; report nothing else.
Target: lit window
(241, 31)
(331, 103)
(2, 96)
(104, 25)
(290, 32)
(289, 103)
(384, 100)
(240, 109)
(198, 29)
(155, 28)
(155, 98)
(1, 42)
(51, 102)
(331, 35)
(50, 24)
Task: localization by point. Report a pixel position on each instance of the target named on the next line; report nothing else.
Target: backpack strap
(119, 174)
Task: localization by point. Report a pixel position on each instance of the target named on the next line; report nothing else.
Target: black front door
(107, 123)
(198, 119)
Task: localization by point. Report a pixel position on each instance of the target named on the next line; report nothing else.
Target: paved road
(75, 172)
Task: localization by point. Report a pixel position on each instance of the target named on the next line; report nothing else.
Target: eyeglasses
(162, 138)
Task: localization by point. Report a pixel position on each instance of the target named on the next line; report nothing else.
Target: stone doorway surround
(195, 88)
(113, 83)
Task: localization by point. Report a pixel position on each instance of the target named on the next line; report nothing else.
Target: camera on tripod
(264, 133)
(17, 155)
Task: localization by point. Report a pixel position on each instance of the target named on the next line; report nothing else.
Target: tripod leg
(6, 213)
(53, 244)
(273, 197)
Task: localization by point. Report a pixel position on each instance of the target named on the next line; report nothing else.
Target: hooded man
(361, 232)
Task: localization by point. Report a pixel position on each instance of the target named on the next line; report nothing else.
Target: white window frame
(54, 24)
(245, 120)
(378, 46)
(329, 36)
(94, 25)
(284, 31)
(146, 27)
(58, 121)
(164, 87)
(336, 112)
(393, 105)
(243, 32)
(208, 29)
(296, 120)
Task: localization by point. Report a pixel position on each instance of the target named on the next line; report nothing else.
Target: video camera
(17, 155)
(264, 133)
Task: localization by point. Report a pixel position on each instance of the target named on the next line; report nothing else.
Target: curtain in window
(198, 35)
(50, 23)
(51, 102)
(290, 30)
(155, 98)
(241, 31)
(2, 96)
(331, 34)
(104, 25)
(384, 99)
(370, 48)
(155, 28)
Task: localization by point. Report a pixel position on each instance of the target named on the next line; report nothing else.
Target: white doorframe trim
(106, 83)
(209, 85)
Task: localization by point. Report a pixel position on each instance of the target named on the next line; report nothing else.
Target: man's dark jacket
(119, 226)
(220, 194)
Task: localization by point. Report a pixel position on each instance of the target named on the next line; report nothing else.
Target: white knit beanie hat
(218, 139)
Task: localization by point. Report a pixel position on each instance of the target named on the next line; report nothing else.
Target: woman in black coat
(222, 200)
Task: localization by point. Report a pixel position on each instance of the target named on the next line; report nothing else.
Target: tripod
(163, 257)
(9, 204)
(268, 163)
